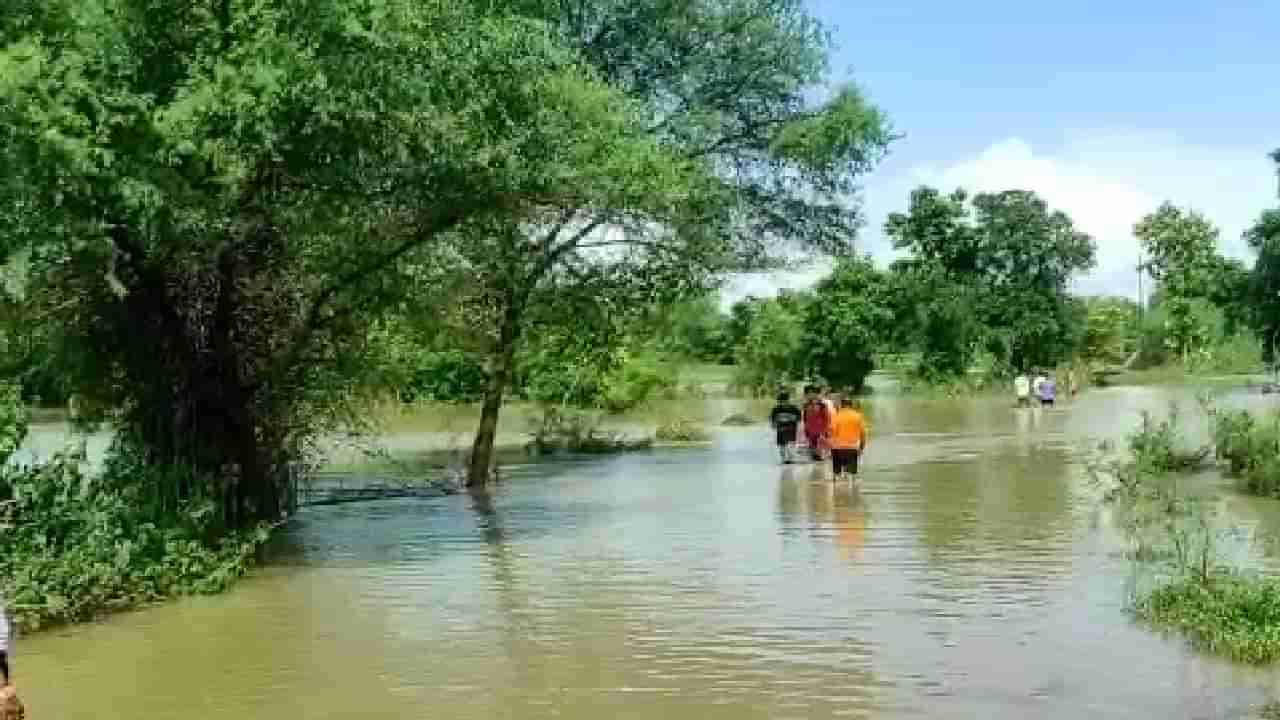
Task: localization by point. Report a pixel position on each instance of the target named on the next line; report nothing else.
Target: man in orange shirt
(848, 437)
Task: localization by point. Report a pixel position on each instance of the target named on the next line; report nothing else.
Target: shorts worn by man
(848, 438)
(785, 419)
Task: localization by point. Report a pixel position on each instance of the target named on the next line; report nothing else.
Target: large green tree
(847, 321)
(726, 87)
(1181, 247)
(991, 272)
(1191, 276)
(212, 201)
(1264, 280)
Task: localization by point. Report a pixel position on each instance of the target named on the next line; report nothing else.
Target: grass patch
(682, 431)
(1232, 616)
(739, 420)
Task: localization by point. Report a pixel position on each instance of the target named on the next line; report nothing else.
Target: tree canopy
(989, 273)
(214, 204)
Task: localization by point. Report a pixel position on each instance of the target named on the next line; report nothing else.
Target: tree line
(983, 291)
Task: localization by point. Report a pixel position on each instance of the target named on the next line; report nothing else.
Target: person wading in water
(785, 419)
(848, 438)
(817, 422)
(10, 706)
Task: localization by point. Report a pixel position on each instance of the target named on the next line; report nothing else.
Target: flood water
(970, 575)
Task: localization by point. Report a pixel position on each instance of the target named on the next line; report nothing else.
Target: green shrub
(568, 430)
(444, 376)
(1232, 615)
(1159, 446)
(682, 431)
(77, 546)
(1250, 448)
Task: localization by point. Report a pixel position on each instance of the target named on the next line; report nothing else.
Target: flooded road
(970, 575)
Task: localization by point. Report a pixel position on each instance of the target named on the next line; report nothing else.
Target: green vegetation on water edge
(78, 546)
(1233, 616)
(1218, 609)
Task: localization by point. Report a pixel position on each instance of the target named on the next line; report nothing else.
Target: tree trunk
(499, 374)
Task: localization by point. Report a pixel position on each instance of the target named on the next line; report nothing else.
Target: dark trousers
(4, 666)
(844, 460)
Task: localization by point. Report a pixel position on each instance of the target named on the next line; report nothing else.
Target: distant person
(817, 422)
(10, 706)
(4, 646)
(785, 419)
(1037, 382)
(1048, 392)
(1073, 387)
(848, 438)
(1022, 390)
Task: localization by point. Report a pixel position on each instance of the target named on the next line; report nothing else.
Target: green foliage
(1264, 280)
(565, 430)
(768, 358)
(1111, 330)
(695, 329)
(1158, 446)
(1231, 615)
(846, 322)
(216, 207)
(77, 546)
(1181, 248)
(616, 377)
(444, 376)
(1195, 334)
(1220, 610)
(988, 273)
(1202, 304)
(1250, 447)
(682, 430)
(732, 162)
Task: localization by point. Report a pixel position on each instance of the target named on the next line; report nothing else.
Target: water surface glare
(970, 575)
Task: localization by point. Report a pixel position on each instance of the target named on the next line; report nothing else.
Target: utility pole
(1142, 296)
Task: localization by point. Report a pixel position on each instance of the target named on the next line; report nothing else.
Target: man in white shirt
(1038, 383)
(1022, 390)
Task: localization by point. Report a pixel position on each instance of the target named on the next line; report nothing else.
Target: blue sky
(1105, 109)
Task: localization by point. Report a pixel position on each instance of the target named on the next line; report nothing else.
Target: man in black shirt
(785, 418)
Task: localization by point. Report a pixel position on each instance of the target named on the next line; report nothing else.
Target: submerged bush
(682, 431)
(1158, 446)
(566, 430)
(1219, 610)
(739, 420)
(1230, 615)
(77, 546)
(1250, 448)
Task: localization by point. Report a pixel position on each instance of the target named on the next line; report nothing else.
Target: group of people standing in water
(1041, 387)
(831, 426)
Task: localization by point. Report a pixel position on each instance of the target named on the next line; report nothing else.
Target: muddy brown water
(970, 575)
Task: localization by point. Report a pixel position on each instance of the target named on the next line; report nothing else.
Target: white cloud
(1105, 183)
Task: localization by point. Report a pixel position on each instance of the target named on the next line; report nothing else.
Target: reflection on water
(967, 574)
